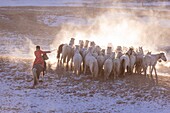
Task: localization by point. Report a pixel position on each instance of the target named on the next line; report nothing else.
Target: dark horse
(60, 48)
(37, 69)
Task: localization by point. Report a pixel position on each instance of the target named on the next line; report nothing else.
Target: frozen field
(22, 28)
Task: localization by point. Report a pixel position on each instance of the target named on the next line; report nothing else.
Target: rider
(39, 59)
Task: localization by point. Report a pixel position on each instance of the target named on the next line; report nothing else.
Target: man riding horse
(39, 64)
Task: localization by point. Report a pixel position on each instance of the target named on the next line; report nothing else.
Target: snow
(69, 93)
(61, 94)
(53, 20)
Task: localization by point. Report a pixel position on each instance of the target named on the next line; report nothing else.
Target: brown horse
(37, 69)
(59, 51)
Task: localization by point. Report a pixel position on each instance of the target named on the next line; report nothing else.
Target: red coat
(39, 60)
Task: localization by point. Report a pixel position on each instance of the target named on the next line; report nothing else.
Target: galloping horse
(91, 62)
(68, 52)
(151, 61)
(77, 60)
(139, 60)
(59, 51)
(132, 58)
(124, 64)
(37, 69)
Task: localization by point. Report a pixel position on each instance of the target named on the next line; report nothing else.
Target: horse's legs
(67, 68)
(145, 70)
(156, 75)
(71, 64)
(151, 70)
(155, 70)
(150, 73)
(35, 76)
(75, 71)
(85, 69)
(83, 64)
(79, 69)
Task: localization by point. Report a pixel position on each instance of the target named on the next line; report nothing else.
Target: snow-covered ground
(70, 93)
(63, 91)
(53, 20)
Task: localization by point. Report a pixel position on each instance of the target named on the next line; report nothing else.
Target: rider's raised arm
(44, 52)
(47, 51)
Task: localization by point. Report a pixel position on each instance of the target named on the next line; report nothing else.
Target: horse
(100, 60)
(91, 62)
(37, 69)
(81, 43)
(116, 67)
(124, 64)
(139, 60)
(84, 50)
(108, 66)
(108, 52)
(86, 44)
(59, 51)
(132, 57)
(151, 61)
(68, 52)
(96, 51)
(77, 60)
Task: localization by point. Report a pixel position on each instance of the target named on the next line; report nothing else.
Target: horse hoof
(40, 80)
(33, 87)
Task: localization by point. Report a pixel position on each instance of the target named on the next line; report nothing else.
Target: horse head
(71, 42)
(140, 51)
(163, 57)
(149, 53)
(86, 43)
(103, 51)
(92, 43)
(109, 50)
(81, 43)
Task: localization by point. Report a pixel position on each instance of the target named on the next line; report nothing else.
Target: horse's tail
(92, 68)
(122, 67)
(34, 71)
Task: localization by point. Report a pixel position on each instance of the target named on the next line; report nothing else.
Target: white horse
(151, 61)
(139, 60)
(84, 51)
(96, 51)
(132, 57)
(116, 67)
(124, 64)
(86, 44)
(100, 60)
(68, 52)
(108, 52)
(108, 66)
(81, 43)
(91, 62)
(77, 60)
